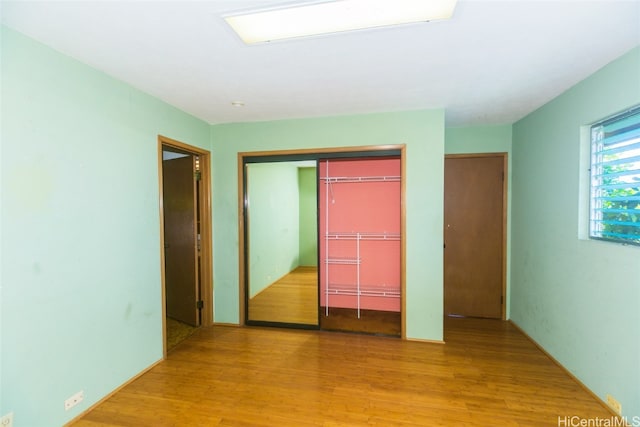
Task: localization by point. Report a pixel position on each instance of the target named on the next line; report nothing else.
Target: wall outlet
(73, 400)
(7, 420)
(614, 404)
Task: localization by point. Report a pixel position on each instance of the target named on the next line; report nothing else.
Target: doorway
(259, 279)
(475, 212)
(185, 220)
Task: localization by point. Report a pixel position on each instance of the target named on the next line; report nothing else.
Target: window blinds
(615, 178)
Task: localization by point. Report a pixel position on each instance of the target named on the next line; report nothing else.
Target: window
(615, 178)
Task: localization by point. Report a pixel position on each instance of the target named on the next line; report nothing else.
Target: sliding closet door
(281, 243)
(360, 259)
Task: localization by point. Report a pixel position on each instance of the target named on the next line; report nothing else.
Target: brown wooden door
(474, 236)
(181, 274)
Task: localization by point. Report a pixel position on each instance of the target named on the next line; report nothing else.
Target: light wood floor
(292, 299)
(488, 374)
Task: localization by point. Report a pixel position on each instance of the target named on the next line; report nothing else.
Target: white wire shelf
(364, 291)
(356, 179)
(362, 236)
(344, 261)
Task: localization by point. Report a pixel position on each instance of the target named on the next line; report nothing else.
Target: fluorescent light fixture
(308, 19)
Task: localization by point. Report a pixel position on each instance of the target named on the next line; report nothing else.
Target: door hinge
(200, 305)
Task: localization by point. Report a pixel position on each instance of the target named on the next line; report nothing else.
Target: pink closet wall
(360, 196)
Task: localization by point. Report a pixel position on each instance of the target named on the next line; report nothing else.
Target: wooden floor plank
(487, 374)
(370, 321)
(291, 299)
(294, 299)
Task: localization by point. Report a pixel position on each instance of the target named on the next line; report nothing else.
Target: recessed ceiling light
(307, 19)
(238, 104)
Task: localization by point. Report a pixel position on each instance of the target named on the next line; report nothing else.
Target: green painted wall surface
(273, 222)
(308, 216)
(478, 139)
(81, 292)
(578, 298)
(486, 139)
(423, 134)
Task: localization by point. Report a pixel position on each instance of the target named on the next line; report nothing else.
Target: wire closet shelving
(357, 289)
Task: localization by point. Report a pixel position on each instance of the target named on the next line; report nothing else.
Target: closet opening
(360, 255)
(322, 239)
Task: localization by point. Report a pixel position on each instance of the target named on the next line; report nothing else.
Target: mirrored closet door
(281, 232)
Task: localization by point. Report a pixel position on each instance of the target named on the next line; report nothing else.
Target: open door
(180, 239)
(186, 253)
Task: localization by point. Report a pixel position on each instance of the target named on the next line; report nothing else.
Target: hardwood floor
(292, 299)
(487, 374)
(370, 322)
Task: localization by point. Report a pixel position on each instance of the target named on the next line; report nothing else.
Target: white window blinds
(615, 178)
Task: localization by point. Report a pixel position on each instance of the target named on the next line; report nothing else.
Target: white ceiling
(493, 63)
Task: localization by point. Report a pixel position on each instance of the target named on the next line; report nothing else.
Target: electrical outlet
(7, 420)
(614, 404)
(73, 400)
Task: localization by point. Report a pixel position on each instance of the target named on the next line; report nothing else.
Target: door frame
(505, 162)
(206, 251)
(321, 152)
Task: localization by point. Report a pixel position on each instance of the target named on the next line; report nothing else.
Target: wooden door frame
(505, 162)
(206, 251)
(320, 151)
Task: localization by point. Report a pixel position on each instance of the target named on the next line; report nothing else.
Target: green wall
(79, 226)
(273, 222)
(423, 134)
(576, 297)
(486, 139)
(80, 268)
(308, 243)
(478, 139)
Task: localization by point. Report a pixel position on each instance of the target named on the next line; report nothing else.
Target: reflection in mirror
(281, 242)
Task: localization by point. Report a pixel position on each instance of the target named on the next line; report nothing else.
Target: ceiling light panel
(310, 19)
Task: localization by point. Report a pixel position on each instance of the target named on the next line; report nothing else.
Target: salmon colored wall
(362, 207)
